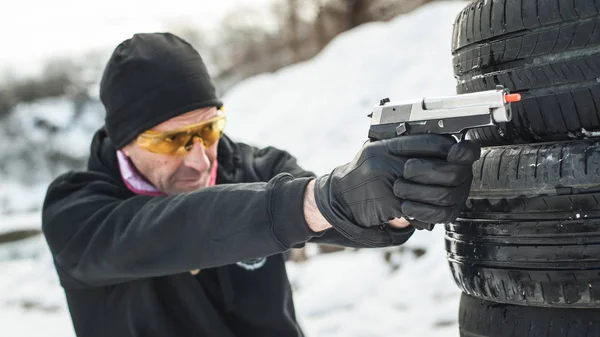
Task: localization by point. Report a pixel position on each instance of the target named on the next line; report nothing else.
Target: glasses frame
(150, 137)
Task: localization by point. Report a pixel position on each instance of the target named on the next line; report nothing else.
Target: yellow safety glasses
(179, 142)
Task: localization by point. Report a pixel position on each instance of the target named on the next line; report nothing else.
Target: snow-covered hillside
(317, 111)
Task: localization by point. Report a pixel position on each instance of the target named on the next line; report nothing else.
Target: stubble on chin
(178, 186)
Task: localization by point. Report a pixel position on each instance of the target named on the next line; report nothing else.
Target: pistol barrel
(445, 114)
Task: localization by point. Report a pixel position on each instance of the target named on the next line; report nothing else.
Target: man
(175, 229)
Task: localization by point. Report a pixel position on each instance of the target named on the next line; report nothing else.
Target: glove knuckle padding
(375, 169)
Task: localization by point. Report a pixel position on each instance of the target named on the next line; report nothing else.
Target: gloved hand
(423, 177)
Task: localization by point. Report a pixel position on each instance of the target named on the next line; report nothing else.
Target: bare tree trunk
(293, 29)
(321, 32)
(357, 12)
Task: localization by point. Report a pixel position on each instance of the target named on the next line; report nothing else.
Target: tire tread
(530, 230)
(480, 318)
(543, 51)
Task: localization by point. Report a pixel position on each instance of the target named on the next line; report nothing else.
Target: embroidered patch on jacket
(252, 264)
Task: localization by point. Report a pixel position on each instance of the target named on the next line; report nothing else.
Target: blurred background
(300, 75)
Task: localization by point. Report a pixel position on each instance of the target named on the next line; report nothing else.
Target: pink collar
(138, 184)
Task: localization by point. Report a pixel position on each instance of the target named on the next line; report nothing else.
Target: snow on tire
(530, 231)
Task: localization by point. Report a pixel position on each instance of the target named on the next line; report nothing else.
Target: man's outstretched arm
(98, 239)
(425, 178)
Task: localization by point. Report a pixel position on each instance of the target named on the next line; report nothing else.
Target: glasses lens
(212, 132)
(179, 143)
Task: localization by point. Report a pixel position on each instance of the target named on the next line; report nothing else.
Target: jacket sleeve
(272, 161)
(99, 239)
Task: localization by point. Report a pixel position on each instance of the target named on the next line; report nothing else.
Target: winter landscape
(317, 110)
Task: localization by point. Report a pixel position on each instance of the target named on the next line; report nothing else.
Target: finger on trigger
(464, 152)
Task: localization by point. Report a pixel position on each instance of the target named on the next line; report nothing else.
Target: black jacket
(124, 259)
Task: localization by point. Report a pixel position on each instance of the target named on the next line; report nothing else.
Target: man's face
(177, 174)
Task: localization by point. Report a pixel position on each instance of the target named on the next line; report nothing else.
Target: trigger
(462, 135)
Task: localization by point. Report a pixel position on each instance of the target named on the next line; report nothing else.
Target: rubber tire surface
(530, 231)
(547, 50)
(478, 318)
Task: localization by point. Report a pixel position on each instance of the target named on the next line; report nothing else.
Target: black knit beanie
(149, 79)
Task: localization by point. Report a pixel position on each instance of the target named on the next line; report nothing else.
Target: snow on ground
(20, 221)
(316, 110)
(348, 294)
(354, 294)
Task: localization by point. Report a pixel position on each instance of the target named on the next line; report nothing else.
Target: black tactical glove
(422, 177)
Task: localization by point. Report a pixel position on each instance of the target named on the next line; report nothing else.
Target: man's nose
(197, 158)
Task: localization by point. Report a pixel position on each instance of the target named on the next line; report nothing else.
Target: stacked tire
(526, 249)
